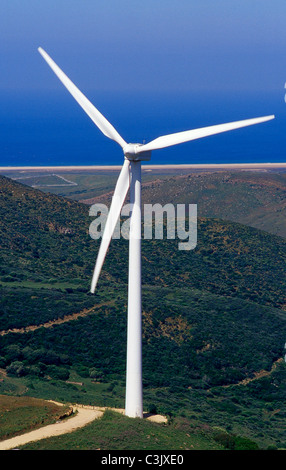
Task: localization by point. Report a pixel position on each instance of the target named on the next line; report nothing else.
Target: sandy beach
(211, 166)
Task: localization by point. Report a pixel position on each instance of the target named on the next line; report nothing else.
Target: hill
(106, 431)
(46, 238)
(214, 322)
(41, 235)
(27, 413)
(256, 199)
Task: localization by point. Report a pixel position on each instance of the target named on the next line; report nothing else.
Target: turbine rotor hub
(131, 153)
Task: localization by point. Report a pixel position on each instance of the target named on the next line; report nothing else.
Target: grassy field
(116, 432)
(22, 414)
(113, 431)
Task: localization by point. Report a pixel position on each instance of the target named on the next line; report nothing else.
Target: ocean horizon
(50, 129)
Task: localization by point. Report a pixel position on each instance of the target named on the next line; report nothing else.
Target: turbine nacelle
(131, 152)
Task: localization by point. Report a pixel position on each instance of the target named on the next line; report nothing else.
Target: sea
(48, 128)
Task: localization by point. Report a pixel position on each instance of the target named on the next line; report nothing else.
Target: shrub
(59, 373)
(232, 442)
(17, 369)
(152, 409)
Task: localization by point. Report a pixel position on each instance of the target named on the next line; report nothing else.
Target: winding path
(84, 416)
(59, 321)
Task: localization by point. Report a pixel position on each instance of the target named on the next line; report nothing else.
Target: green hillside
(214, 321)
(41, 235)
(254, 198)
(46, 238)
(21, 414)
(257, 199)
(116, 432)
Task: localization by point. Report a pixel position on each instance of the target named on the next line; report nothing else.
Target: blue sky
(144, 45)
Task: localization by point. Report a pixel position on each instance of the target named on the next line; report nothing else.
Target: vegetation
(212, 344)
(117, 432)
(253, 198)
(80, 184)
(22, 414)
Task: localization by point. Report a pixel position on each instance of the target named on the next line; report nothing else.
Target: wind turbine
(130, 177)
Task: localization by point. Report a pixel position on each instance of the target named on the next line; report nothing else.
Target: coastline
(206, 166)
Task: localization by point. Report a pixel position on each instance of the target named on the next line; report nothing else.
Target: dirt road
(59, 321)
(81, 418)
(85, 415)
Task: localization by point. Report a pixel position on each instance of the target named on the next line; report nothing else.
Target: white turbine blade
(186, 136)
(118, 199)
(88, 107)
